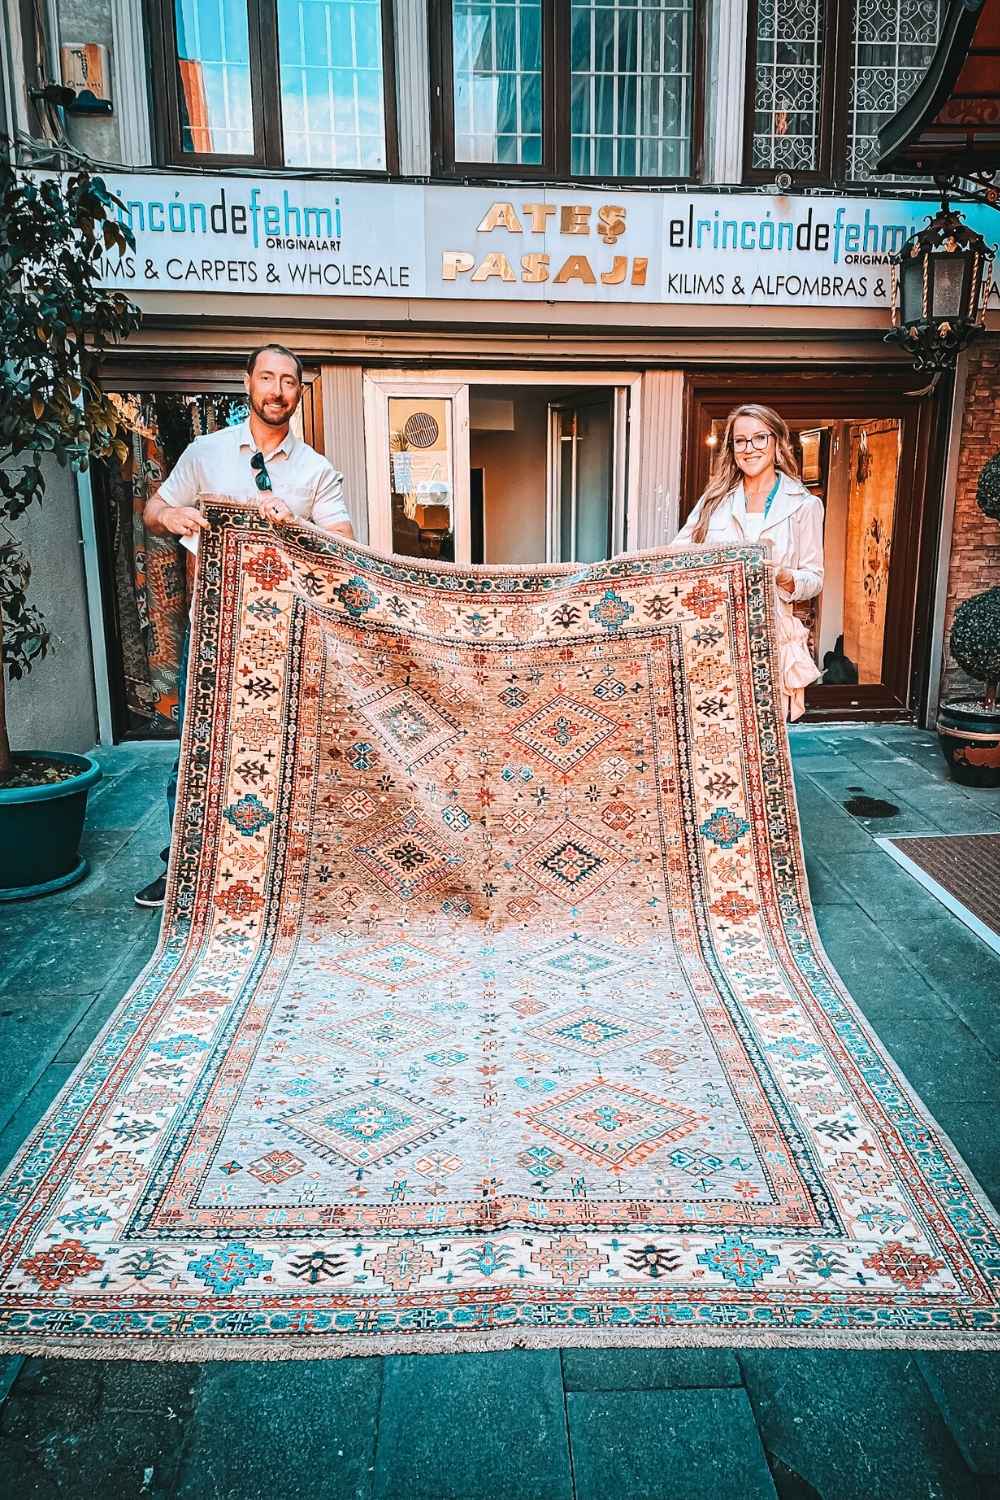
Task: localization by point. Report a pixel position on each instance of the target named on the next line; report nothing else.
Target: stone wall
(53, 707)
(975, 548)
(90, 21)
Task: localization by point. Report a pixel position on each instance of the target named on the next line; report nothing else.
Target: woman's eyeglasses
(262, 478)
(758, 441)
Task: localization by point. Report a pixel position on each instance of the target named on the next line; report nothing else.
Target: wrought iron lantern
(941, 281)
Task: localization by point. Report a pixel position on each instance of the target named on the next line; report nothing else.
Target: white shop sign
(540, 244)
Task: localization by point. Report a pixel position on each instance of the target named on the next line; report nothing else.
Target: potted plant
(55, 322)
(969, 728)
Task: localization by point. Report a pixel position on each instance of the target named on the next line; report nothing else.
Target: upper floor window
(296, 83)
(568, 88)
(824, 75)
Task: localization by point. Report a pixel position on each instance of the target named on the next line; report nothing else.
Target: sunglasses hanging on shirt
(262, 478)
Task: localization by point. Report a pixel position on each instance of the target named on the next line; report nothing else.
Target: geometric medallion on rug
(489, 1008)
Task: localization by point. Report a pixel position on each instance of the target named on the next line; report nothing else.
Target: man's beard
(268, 417)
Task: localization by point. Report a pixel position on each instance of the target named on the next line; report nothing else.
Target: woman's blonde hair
(727, 473)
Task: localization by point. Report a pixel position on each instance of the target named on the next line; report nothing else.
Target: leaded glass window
(332, 87)
(788, 85)
(631, 88)
(816, 120)
(497, 78)
(892, 44)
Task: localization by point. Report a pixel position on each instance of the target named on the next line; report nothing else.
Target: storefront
(531, 374)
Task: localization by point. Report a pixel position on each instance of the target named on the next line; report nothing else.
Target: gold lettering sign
(455, 261)
(536, 267)
(575, 218)
(575, 268)
(610, 222)
(494, 264)
(540, 213)
(500, 216)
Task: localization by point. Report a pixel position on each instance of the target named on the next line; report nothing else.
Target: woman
(755, 494)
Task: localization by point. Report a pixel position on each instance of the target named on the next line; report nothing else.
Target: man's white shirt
(219, 464)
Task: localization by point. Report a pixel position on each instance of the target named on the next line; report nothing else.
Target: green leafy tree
(975, 632)
(56, 320)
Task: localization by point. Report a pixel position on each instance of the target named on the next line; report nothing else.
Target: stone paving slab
(100, 1430)
(648, 1369)
(666, 1445)
(856, 1426)
(959, 1387)
(75, 953)
(614, 1423)
(33, 1026)
(31, 1108)
(456, 1427)
(305, 1430)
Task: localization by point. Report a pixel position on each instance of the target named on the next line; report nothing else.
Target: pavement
(613, 1424)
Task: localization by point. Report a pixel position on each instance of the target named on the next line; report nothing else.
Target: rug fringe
(202, 1350)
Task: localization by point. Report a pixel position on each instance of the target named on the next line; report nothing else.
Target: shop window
(296, 83)
(147, 579)
(824, 75)
(568, 88)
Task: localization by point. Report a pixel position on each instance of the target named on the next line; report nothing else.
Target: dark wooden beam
(951, 125)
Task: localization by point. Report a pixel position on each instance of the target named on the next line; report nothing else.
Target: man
(260, 460)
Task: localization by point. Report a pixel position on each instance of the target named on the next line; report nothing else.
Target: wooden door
(880, 567)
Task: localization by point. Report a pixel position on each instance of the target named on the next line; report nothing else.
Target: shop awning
(951, 125)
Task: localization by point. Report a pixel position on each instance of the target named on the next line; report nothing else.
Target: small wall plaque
(86, 68)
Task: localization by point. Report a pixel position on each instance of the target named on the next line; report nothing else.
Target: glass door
(586, 477)
(417, 434)
(519, 470)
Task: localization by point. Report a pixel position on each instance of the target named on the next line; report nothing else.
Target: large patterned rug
(489, 1008)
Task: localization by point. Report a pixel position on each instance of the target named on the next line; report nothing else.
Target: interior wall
(835, 539)
(514, 473)
(871, 517)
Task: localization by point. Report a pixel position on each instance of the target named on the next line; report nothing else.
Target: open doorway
(546, 455)
(864, 446)
(518, 472)
(146, 579)
(853, 468)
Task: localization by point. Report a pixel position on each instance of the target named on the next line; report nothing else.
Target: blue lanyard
(774, 490)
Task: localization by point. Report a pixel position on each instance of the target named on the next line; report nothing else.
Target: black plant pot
(969, 735)
(40, 828)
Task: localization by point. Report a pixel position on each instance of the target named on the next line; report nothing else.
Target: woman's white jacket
(794, 528)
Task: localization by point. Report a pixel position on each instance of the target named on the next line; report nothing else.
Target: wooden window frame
(835, 42)
(556, 82)
(807, 396)
(265, 83)
(835, 81)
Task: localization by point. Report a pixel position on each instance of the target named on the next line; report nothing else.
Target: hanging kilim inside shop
(489, 1009)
